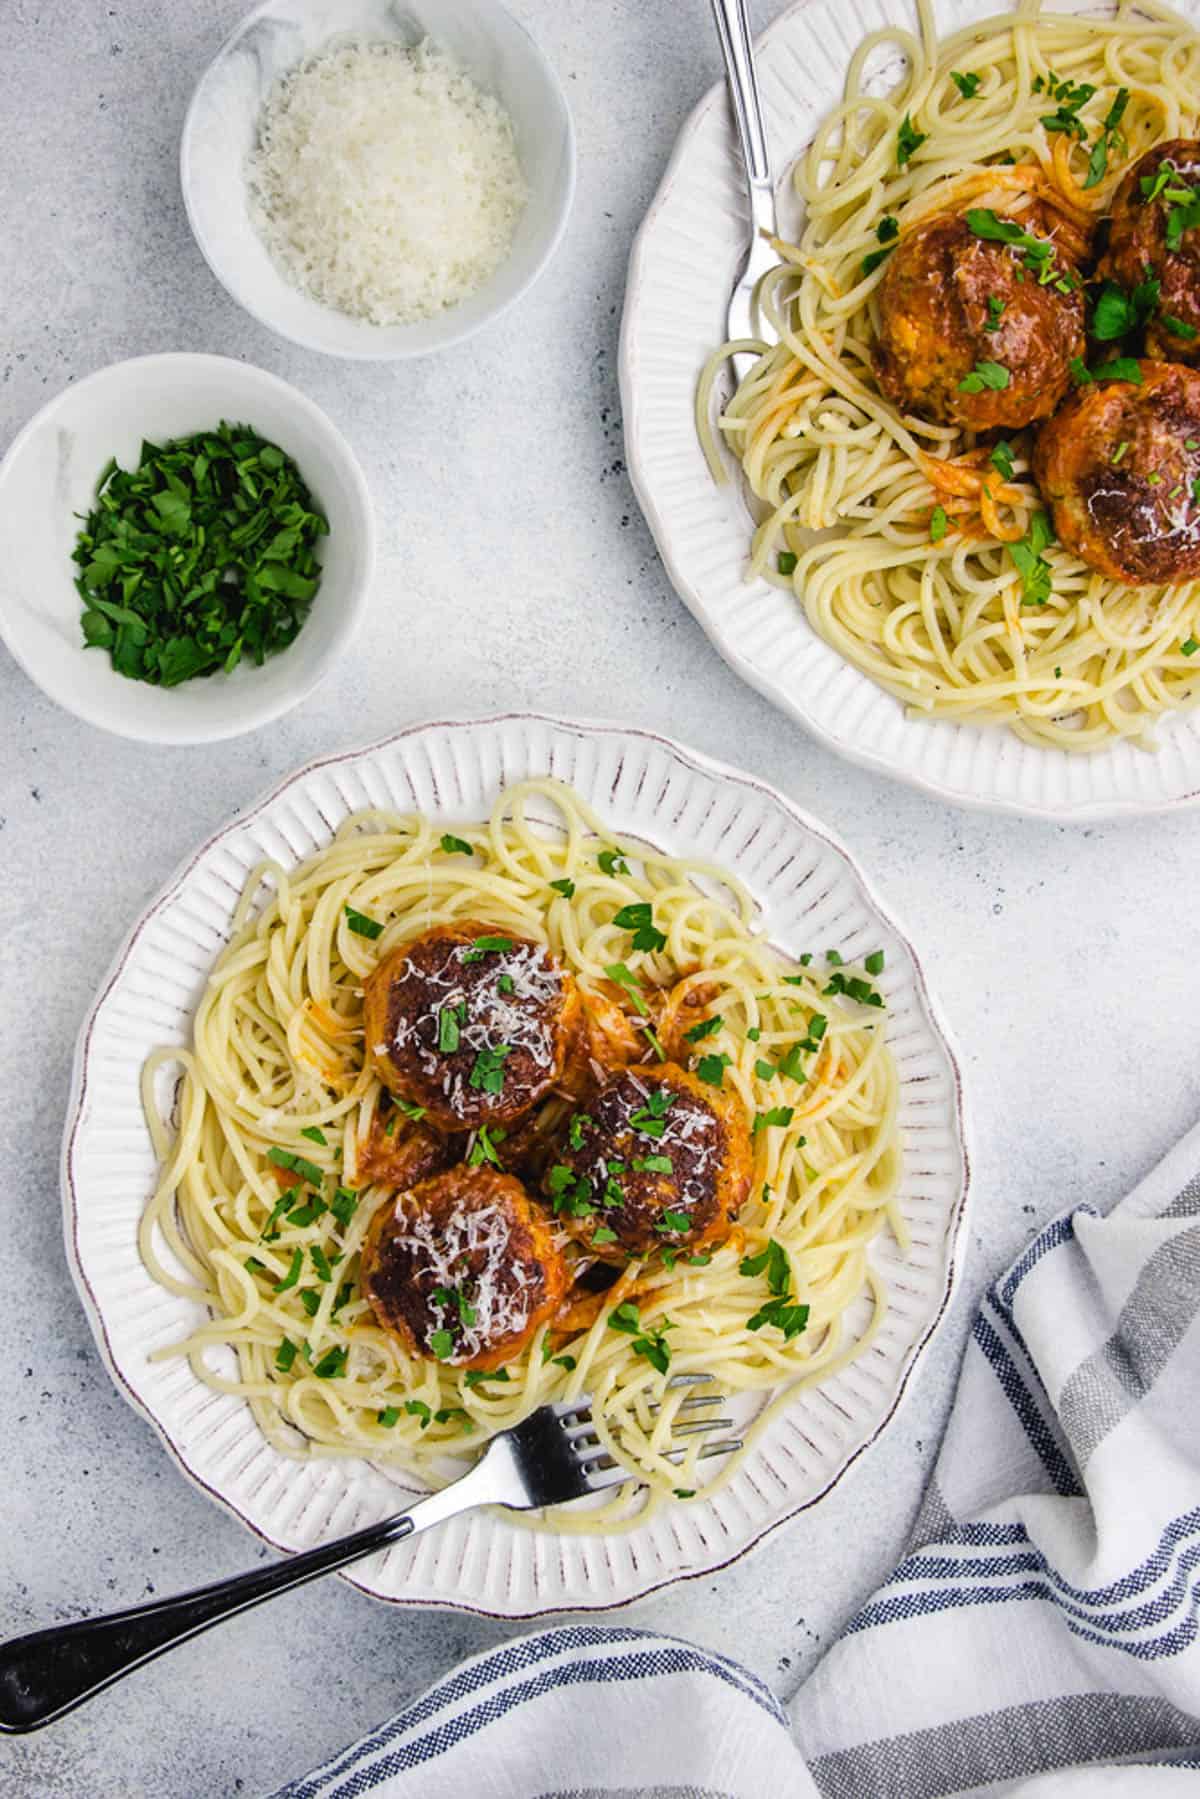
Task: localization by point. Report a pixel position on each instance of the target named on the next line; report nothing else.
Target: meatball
(659, 1160)
(1117, 465)
(399, 1151)
(470, 1023)
(464, 1268)
(1138, 246)
(952, 301)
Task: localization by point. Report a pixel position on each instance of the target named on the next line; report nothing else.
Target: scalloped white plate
(811, 894)
(683, 266)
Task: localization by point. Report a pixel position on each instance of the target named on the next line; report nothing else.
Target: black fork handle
(50, 1672)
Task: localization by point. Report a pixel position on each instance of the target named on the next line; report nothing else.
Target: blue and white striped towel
(1039, 1637)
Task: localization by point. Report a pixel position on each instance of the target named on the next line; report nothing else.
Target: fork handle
(50, 1672)
(733, 30)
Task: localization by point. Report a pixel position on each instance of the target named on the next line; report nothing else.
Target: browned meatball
(398, 1152)
(470, 1023)
(952, 301)
(1117, 464)
(1138, 246)
(464, 1268)
(659, 1160)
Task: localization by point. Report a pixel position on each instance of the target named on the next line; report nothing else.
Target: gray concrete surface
(515, 570)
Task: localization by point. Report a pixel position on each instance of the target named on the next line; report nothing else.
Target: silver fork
(550, 1458)
(742, 318)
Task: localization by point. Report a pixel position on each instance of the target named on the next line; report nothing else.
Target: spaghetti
(278, 1078)
(896, 534)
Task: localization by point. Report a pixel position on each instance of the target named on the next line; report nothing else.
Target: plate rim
(698, 761)
(789, 702)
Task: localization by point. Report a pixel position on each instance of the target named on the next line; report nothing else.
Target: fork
(550, 1458)
(742, 318)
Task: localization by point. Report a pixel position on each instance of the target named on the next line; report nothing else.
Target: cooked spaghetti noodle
(277, 1064)
(912, 578)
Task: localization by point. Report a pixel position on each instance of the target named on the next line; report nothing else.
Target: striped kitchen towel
(1039, 1637)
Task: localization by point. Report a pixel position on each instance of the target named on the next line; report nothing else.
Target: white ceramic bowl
(219, 133)
(48, 477)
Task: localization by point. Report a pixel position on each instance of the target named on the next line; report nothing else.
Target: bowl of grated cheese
(377, 181)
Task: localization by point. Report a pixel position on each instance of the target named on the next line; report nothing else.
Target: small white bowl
(219, 133)
(48, 479)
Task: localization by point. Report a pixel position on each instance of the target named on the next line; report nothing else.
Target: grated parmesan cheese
(384, 182)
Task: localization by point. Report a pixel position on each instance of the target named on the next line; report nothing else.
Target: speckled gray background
(514, 570)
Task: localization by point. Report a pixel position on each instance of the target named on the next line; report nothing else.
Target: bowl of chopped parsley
(189, 543)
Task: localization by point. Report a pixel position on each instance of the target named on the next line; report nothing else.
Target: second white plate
(682, 270)
(812, 896)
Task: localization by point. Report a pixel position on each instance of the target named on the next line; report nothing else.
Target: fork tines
(599, 1467)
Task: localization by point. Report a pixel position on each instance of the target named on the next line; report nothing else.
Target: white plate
(812, 895)
(682, 270)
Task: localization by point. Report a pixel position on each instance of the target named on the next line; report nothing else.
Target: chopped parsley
(612, 862)
(389, 1417)
(621, 975)
(1109, 134)
(1189, 646)
(285, 1355)
(1037, 253)
(887, 231)
(651, 1120)
(649, 1340)
(674, 1222)
(773, 1260)
(416, 1408)
(1178, 327)
(908, 142)
(442, 1344)
(475, 1377)
(1036, 574)
(990, 375)
(487, 1070)
(652, 1165)
(566, 887)
(937, 524)
(202, 556)
(1070, 96)
(456, 846)
(1121, 368)
(286, 1158)
(483, 1147)
(332, 1363)
(854, 987)
(967, 85)
(1001, 459)
(1116, 313)
(1119, 453)
(785, 562)
(361, 925)
(580, 1122)
(485, 946)
(315, 1135)
(572, 1193)
(450, 1021)
(320, 1262)
(602, 1234)
(782, 1312)
(777, 1115)
(640, 920)
(995, 313)
(705, 1028)
(711, 1069)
